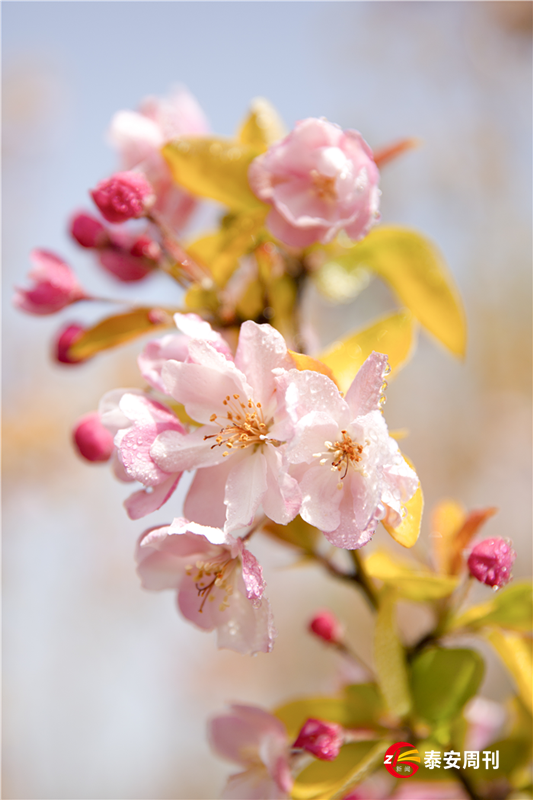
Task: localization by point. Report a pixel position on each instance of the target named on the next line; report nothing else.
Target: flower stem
(362, 579)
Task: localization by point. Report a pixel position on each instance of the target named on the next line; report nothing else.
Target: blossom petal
(253, 577)
(261, 349)
(205, 499)
(321, 498)
(366, 388)
(306, 391)
(283, 498)
(143, 502)
(201, 388)
(174, 452)
(162, 557)
(245, 487)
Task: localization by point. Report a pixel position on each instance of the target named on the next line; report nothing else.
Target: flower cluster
(267, 440)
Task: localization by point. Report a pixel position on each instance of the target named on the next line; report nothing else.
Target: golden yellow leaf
(393, 335)
(303, 362)
(408, 531)
(214, 168)
(119, 329)
(417, 273)
(514, 650)
(262, 127)
(220, 252)
(407, 578)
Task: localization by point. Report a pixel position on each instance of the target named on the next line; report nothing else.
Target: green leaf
(389, 657)
(408, 531)
(443, 681)
(393, 335)
(201, 300)
(118, 329)
(510, 608)
(408, 579)
(326, 780)
(297, 533)
(416, 272)
(214, 168)
(262, 127)
(220, 252)
(515, 652)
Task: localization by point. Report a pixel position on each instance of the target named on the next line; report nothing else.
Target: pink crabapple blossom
(123, 196)
(135, 421)
(92, 440)
(257, 741)
(139, 137)
(55, 285)
(219, 582)
(318, 180)
(175, 346)
(238, 448)
(350, 470)
(490, 562)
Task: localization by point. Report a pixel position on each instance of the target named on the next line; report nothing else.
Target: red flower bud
(92, 440)
(323, 739)
(123, 196)
(65, 338)
(326, 626)
(491, 560)
(88, 231)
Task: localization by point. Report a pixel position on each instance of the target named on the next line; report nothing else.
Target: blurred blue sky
(99, 676)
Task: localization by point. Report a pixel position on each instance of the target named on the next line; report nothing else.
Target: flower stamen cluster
(221, 580)
(247, 427)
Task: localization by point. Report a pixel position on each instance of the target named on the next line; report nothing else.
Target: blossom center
(211, 576)
(323, 186)
(341, 455)
(244, 425)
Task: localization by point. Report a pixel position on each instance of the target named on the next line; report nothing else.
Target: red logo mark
(399, 764)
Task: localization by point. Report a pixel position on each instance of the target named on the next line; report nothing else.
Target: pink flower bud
(125, 267)
(145, 247)
(92, 440)
(318, 180)
(123, 196)
(491, 560)
(66, 337)
(323, 739)
(88, 231)
(55, 285)
(326, 626)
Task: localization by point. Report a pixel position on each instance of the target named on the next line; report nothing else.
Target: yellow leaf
(515, 652)
(409, 580)
(417, 273)
(389, 657)
(298, 533)
(447, 518)
(281, 296)
(452, 531)
(510, 608)
(262, 127)
(220, 252)
(408, 531)
(392, 335)
(119, 329)
(303, 362)
(214, 168)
